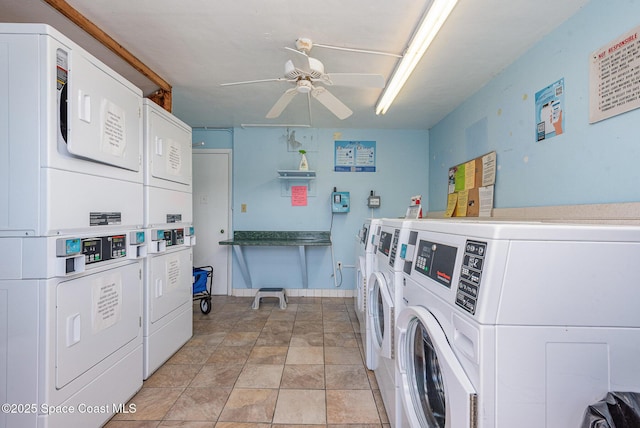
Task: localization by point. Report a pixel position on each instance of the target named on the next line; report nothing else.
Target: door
(435, 390)
(212, 214)
(382, 314)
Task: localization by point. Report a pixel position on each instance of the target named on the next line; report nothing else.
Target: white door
(212, 214)
(434, 387)
(381, 309)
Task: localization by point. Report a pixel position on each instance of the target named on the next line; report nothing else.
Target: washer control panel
(436, 261)
(470, 275)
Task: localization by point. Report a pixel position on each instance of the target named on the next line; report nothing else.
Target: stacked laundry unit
(168, 218)
(72, 241)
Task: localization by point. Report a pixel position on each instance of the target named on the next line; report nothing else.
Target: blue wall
(588, 163)
(401, 171)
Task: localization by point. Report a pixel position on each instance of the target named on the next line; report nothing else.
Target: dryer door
(361, 289)
(435, 390)
(382, 313)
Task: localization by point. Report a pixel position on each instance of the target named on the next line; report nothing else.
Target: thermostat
(373, 201)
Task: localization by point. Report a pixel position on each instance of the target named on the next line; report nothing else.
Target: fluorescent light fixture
(431, 23)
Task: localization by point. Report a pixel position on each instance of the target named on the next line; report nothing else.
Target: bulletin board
(471, 187)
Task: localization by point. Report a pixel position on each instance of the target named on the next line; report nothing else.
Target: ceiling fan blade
(362, 80)
(366, 51)
(282, 103)
(334, 105)
(279, 79)
(300, 61)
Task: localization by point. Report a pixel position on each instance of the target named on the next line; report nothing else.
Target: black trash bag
(616, 410)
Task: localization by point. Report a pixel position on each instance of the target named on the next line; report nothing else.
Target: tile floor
(266, 368)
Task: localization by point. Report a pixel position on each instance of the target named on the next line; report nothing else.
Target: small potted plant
(304, 165)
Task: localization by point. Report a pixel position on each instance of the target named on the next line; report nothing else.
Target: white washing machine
(364, 267)
(516, 324)
(71, 153)
(385, 303)
(70, 336)
(168, 217)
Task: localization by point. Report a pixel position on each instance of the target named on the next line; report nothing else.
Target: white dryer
(385, 303)
(364, 267)
(71, 156)
(516, 324)
(168, 218)
(70, 332)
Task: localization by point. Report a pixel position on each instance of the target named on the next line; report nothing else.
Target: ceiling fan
(308, 76)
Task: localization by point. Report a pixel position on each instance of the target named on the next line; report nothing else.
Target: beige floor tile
(382, 412)
(186, 424)
(315, 316)
(305, 355)
(199, 404)
(230, 354)
(340, 340)
(260, 376)
(191, 355)
(151, 404)
(241, 425)
(240, 338)
(217, 375)
(206, 340)
(332, 316)
(346, 377)
(303, 376)
(351, 407)
(131, 424)
(268, 355)
(336, 355)
(337, 327)
(307, 339)
(270, 338)
(173, 375)
(290, 411)
(307, 327)
(250, 405)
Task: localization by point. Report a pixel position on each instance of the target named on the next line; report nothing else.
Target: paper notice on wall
(486, 201)
(106, 297)
(174, 158)
(488, 169)
(298, 196)
(614, 77)
(112, 122)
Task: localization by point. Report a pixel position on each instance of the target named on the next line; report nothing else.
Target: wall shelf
(288, 176)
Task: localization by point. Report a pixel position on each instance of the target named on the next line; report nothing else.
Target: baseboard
(298, 292)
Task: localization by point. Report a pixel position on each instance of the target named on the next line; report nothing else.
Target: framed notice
(614, 77)
(355, 156)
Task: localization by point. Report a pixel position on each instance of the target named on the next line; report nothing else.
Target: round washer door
(382, 313)
(436, 392)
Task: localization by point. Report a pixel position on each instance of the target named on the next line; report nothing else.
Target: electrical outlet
(339, 265)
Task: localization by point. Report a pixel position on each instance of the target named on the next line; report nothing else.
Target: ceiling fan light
(304, 87)
(431, 23)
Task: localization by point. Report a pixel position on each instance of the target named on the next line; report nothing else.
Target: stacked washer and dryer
(168, 221)
(516, 324)
(384, 304)
(72, 242)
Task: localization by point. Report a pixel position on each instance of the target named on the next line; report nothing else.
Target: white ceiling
(196, 45)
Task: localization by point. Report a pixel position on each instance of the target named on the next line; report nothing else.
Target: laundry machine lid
(435, 389)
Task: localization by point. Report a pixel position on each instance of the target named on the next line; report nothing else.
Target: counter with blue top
(300, 239)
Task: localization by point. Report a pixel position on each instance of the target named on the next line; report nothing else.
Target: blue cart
(202, 279)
